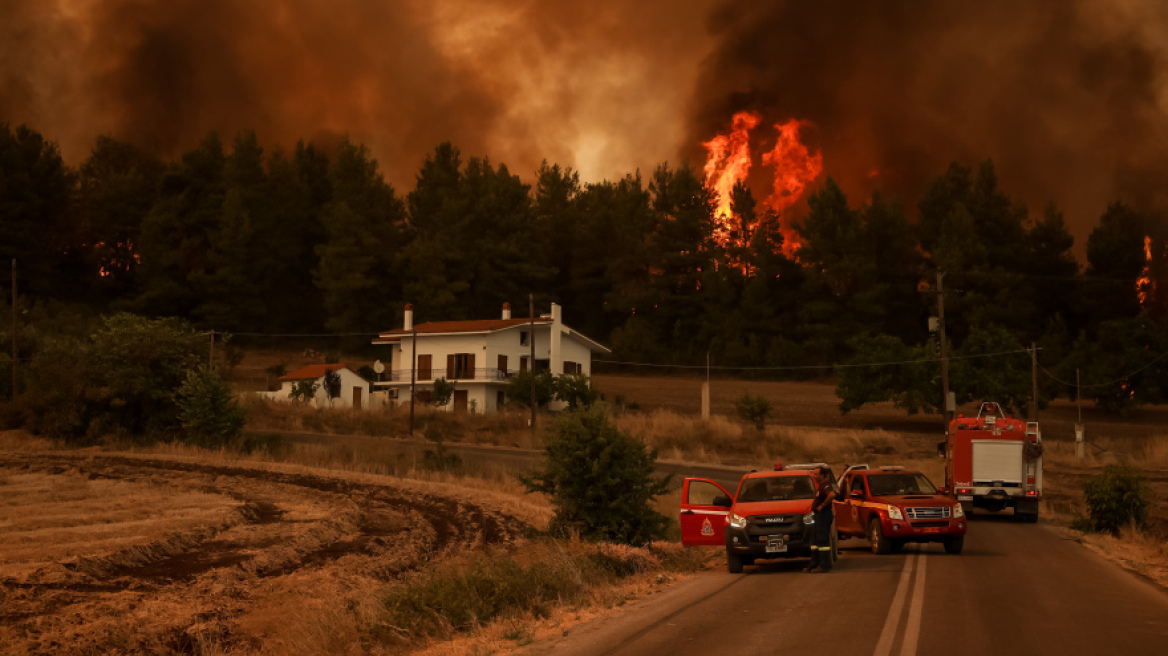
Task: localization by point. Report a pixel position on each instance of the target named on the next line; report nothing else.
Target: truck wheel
(954, 545)
(734, 563)
(880, 544)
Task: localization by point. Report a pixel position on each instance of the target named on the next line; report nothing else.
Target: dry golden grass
(1134, 549)
(504, 428)
(720, 440)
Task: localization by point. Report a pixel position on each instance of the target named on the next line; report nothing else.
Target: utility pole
(531, 368)
(1080, 437)
(944, 348)
(413, 371)
(1033, 381)
(14, 358)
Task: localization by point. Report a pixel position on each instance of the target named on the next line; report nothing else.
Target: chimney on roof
(506, 310)
(408, 315)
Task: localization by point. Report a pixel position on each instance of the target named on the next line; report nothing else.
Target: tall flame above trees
(729, 161)
(1145, 286)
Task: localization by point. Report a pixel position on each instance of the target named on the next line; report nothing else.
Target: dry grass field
(302, 547)
(121, 553)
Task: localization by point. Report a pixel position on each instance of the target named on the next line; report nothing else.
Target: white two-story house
(479, 355)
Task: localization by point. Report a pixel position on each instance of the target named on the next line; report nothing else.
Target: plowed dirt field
(105, 554)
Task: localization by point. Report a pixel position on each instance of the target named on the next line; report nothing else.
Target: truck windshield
(884, 485)
(777, 488)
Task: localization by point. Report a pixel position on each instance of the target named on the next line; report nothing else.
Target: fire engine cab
(994, 461)
(769, 516)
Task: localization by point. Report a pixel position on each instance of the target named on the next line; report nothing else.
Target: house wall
(553, 342)
(349, 381)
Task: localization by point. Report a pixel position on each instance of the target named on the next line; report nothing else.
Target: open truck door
(704, 506)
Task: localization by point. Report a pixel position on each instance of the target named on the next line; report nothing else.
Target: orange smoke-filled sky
(597, 86)
(1069, 98)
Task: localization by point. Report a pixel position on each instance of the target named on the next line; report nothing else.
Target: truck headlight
(737, 521)
(809, 518)
(895, 513)
(958, 511)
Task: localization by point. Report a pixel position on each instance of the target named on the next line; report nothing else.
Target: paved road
(1017, 589)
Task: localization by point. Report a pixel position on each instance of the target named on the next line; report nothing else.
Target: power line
(810, 366)
(1121, 379)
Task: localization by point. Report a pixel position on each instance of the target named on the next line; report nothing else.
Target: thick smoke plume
(1067, 97)
(599, 86)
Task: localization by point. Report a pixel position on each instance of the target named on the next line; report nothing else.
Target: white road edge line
(912, 632)
(888, 634)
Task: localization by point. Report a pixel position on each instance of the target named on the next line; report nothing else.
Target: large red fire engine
(995, 462)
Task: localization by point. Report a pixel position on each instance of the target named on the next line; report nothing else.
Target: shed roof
(312, 372)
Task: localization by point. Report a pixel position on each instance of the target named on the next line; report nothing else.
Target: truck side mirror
(941, 449)
(943, 491)
(722, 501)
(856, 494)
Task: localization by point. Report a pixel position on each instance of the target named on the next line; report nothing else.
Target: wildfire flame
(729, 161)
(1144, 284)
(795, 167)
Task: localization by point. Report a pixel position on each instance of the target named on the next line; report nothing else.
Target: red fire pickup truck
(768, 517)
(891, 506)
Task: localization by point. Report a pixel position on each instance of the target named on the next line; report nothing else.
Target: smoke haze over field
(1068, 98)
(599, 86)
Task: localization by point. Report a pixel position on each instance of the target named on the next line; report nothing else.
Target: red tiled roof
(473, 326)
(311, 372)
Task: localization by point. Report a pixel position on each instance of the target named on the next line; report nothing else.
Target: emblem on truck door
(707, 528)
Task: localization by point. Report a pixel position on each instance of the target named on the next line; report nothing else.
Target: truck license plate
(776, 544)
(932, 530)
(965, 497)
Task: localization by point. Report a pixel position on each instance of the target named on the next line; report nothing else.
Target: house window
(523, 338)
(522, 364)
(460, 366)
(502, 366)
(573, 368)
(425, 366)
(542, 364)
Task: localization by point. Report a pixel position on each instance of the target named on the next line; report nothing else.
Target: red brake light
(1031, 493)
(778, 466)
(963, 490)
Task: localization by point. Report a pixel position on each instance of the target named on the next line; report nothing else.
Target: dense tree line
(231, 238)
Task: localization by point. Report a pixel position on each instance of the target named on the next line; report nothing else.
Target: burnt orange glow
(1144, 284)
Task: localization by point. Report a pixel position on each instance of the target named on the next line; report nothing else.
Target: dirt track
(132, 575)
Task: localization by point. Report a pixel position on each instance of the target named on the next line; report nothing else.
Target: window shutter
(470, 366)
(450, 367)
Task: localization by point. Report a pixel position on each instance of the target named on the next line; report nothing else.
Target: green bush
(754, 409)
(443, 392)
(209, 413)
(519, 388)
(600, 480)
(1118, 497)
(576, 390)
(120, 380)
(441, 459)
(303, 391)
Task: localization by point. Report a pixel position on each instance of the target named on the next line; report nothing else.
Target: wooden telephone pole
(531, 361)
(944, 349)
(14, 358)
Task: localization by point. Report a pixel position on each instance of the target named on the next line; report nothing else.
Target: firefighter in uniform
(821, 508)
